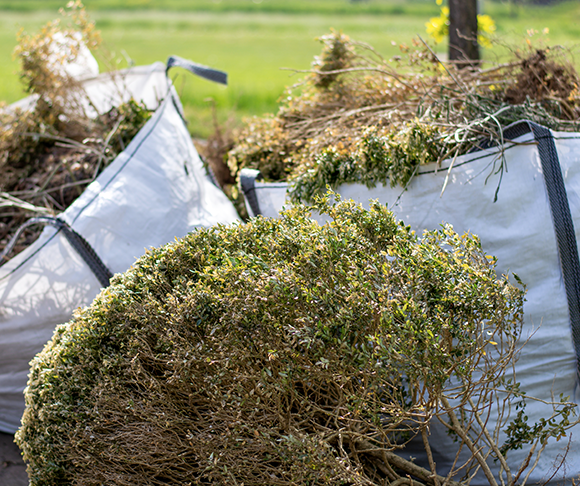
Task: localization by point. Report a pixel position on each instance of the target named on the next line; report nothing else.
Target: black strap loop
(81, 246)
(197, 69)
(561, 219)
(248, 178)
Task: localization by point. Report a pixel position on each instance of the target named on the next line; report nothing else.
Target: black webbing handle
(81, 246)
(248, 178)
(88, 254)
(197, 69)
(561, 219)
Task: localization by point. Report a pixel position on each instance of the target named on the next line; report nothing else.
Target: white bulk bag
(157, 189)
(532, 229)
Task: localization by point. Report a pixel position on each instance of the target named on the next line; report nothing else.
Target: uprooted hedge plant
(53, 148)
(359, 118)
(283, 352)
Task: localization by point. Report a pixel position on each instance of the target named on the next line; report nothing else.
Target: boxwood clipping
(274, 352)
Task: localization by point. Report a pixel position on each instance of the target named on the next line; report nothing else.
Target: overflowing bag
(156, 190)
(523, 201)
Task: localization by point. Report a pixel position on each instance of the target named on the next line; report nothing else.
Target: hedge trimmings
(277, 352)
(359, 118)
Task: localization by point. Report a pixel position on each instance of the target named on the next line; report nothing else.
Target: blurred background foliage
(254, 39)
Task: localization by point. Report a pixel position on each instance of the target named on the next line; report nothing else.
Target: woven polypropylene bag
(157, 189)
(523, 229)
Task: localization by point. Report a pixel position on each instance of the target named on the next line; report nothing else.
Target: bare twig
(460, 431)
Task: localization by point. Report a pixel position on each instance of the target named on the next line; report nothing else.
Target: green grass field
(253, 39)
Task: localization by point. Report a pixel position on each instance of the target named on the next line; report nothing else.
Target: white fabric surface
(62, 47)
(148, 84)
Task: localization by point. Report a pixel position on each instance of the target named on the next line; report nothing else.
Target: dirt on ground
(12, 467)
